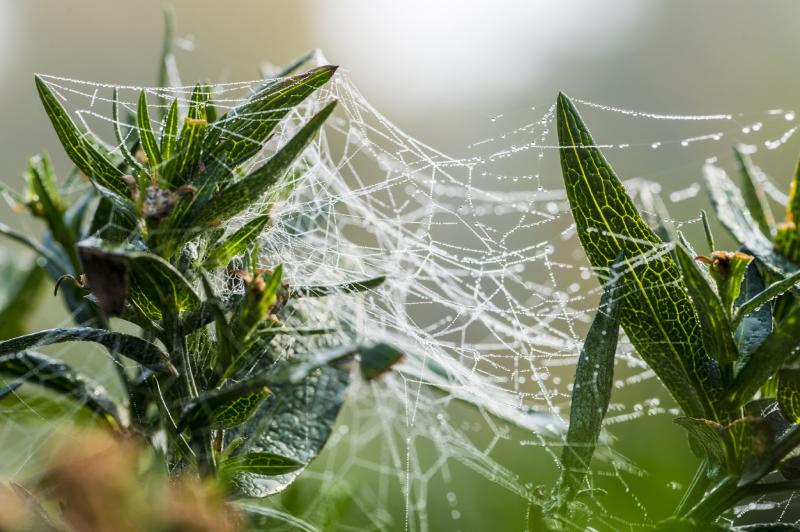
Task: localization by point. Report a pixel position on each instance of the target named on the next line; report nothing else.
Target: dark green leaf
(82, 152)
(222, 253)
(375, 360)
(707, 434)
(147, 354)
(768, 294)
(17, 296)
(771, 355)
(147, 138)
(715, 326)
(754, 197)
(263, 464)
(190, 145)
(225, 408)
(241, 133)
(123, 145)
(591, 392)
(748, 441)
(655, 311)
(790, 468)
(52, 374)
(169, 140)
(344, 288)
(241, 194)
(756, 326)
(789, 393)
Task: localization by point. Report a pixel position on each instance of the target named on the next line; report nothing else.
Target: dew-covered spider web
(488, 293)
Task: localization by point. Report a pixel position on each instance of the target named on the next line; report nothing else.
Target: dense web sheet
(488, 291)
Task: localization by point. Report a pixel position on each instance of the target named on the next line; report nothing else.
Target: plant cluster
(720, 332)
(237, 383)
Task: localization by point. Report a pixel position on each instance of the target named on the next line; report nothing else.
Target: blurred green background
(441, 70)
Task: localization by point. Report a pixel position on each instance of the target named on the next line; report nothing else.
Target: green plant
(217, 377)
(721, 333)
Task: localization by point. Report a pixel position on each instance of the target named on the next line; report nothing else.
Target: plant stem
(695, 491)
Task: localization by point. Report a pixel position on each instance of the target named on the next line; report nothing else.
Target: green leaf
(755, 198)
(240, 195)
(54, 375)
(755, 326)
(169, 139)
(789, 393)
(316, 401)
(715, 327)
(375, 360)
(748, 442)
(728, 271)
(264, 464)
(241, 133)
(655, 311)
(225, 408)
(8, 389)
(139, 350)
(288, 69)
(771, 355)
(222, 253)
(706, 434)
(168, 70)
(147, 138)
(337, 289)
(82, 152)
(185, 164)
(591, 392)
(123, 145)
(25, 240)
(768, 294)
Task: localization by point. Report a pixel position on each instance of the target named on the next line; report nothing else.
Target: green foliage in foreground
(720, 332)
(215, 381)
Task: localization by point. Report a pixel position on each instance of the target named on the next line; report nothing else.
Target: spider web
(488, 293)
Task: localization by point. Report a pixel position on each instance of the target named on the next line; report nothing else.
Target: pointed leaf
(169, 139)
(728, 271)
(591, 393)
(82, 152)
(139, 350)
(789, 393)
(52, 374)
(756, 325)
(241, 194)
(655, 311)
(222, 253)
(748, 441)
(146, 136)
(266, 464)
(241, 133)
(135, 165)
(768, 294)
(707, 434)
(754, 197)
(715, 327)
(336, 289)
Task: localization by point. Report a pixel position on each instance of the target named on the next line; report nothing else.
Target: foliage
(720, 332)
(215, 377)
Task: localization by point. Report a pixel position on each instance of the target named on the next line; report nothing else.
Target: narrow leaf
(146, 136)
(135, 165)
(755, 326)
(755, 198)
(54, 375)
(82, 152)
(169, 138)
(266, 464)
(768, 294)
(8, 389)
(715, 326)
(139, 350)
(344, 288)
(655, 311)
(591, 392)
(241, 194)
(222, 253)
